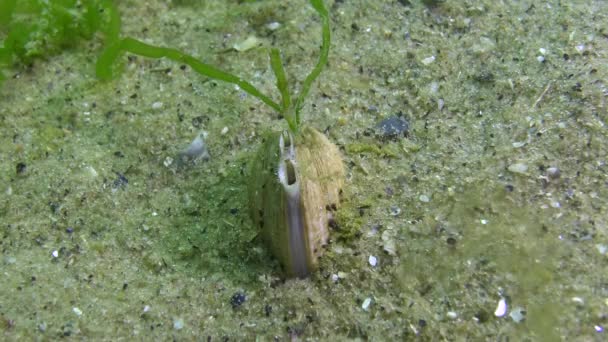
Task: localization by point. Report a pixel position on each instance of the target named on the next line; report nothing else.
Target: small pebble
(452, 315)
(394, 210)
(373, 261)
(146, 308)
(428, 60)
(77, 311)
(393, 127)
(273, 25)
(120, 182)
(237, 299)
(247, 44)
(157, 105)
(440, 104)
(520, 168)
(178, 324)
(334, 278)
(424, 198)
(21, 168)
(91, 171)
(196, 150)
(55, 254)
(553, 172)
(501, 308)
(601, 248)
(366, 303)
(224, 130)
(389, 246)
(518, 314)
(578, 300)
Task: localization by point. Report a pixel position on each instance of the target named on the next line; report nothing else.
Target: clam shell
(295, 184)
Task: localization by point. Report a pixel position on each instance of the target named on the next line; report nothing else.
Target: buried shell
(296, 182)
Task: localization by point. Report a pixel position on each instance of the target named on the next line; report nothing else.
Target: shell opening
(290, 170)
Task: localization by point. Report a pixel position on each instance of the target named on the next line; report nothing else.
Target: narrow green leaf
(279, 72)
(108, 58)
(104, 68)
(112, 29)
(323, 57)
(6, 11)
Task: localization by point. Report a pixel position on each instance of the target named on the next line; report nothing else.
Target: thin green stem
(279, 72)
(323, 57)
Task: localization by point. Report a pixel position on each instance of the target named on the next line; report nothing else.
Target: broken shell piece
(501, 308)
(247, 44)
(296, 182)
(197, 150)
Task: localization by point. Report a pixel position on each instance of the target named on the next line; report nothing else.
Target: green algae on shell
(294, 187)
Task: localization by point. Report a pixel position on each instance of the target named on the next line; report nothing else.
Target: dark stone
(237, 299)
(21, 168)
(121, 181)
(393, 127)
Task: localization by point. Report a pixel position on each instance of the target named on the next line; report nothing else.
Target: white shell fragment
(366, 303)
(247, 44)
(178, 324)
(196, 150)
(501, 308)
(273, 25)
(373, 261)
(389, 244)
(520, 168)
(518, 144)
(578, 301)
(428, 60)
(518, 314)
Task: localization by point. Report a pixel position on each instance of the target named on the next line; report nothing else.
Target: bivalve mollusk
(295, 184)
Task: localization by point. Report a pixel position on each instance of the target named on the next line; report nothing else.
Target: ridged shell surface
(295, 185)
